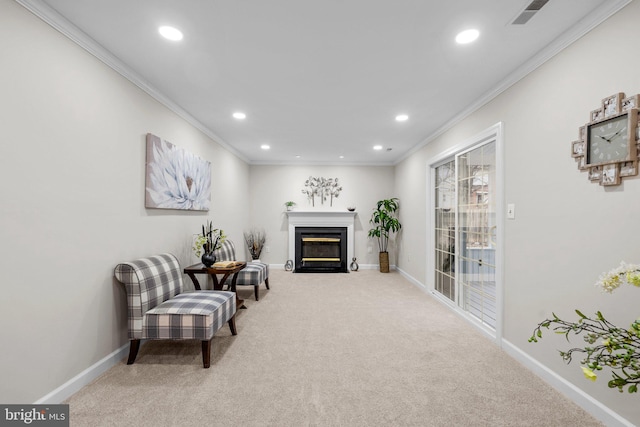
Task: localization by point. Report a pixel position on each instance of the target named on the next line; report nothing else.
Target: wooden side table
(192, 270)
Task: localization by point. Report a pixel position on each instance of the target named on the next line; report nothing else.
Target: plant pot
(384, 262)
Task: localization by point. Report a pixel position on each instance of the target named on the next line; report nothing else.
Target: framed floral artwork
(175, 178)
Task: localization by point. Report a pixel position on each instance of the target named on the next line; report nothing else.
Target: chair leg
(206, 353)
(266, 282)
(134, 346)
(232, 325)
(257, 292)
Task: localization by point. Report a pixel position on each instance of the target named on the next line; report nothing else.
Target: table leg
(196, 284)
(239, 302)
(218, 285)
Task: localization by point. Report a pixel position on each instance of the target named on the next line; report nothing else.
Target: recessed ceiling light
(239, 115)
(298, 156)
(467, 36)
(342, 157)
(377, 147)
(265, 146)
(170, 33)
(402, 118)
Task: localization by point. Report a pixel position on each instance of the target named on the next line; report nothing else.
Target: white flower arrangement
(618, 348)
(210, 240)
(623, 274)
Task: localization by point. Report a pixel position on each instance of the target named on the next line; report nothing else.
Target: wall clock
(607, 147)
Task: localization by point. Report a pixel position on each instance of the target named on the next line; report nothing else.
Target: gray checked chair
(158, 308)
(252, 275)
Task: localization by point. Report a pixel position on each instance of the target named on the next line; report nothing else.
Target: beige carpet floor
(357, 349)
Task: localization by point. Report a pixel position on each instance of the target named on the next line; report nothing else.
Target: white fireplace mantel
(319, 218)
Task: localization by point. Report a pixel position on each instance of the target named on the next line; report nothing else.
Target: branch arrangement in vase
(255, 240)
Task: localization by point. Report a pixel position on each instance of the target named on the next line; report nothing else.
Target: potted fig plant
(384, 222)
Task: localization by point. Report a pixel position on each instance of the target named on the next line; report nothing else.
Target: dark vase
(208, 259)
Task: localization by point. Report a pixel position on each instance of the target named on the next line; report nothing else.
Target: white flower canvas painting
(176, 178)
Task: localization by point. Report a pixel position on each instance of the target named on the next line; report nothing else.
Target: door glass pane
(477, 232)
(445, 211)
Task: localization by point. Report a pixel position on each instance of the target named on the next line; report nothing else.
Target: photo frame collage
(611, 173)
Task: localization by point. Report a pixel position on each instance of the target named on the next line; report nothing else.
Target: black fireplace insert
(321, 250)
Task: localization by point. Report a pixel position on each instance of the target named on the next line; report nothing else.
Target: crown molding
(64, 26)
(588, 23)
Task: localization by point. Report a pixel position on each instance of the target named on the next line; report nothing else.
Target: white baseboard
(579, 397)
(372, 267)
(410, 278)
(72, 386)
(360, 267)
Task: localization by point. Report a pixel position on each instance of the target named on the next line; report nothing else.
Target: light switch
(511, 211)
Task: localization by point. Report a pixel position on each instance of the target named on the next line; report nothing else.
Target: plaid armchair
(252, 275)
(158, 308)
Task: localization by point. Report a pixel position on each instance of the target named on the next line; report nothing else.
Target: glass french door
(465, 232)
(445, 228)
(476, 248)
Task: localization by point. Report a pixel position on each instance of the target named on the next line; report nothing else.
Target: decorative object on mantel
(290, 205)
(618, 348)
(255, 239)
(607, 147)
(288, 266)
(207, 242)
(354, 265)
(351, 209)
(322, 187)
(175, 178)
(384, 223)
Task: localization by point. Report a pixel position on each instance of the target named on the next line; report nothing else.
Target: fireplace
(320, 250)
(322, 220)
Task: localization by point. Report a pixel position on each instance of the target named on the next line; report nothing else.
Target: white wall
(72, 161)
(567, 230)
(272, 186)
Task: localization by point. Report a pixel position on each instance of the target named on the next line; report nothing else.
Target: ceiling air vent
(529, 11)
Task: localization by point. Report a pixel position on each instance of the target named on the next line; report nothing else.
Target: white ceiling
(325, 78)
